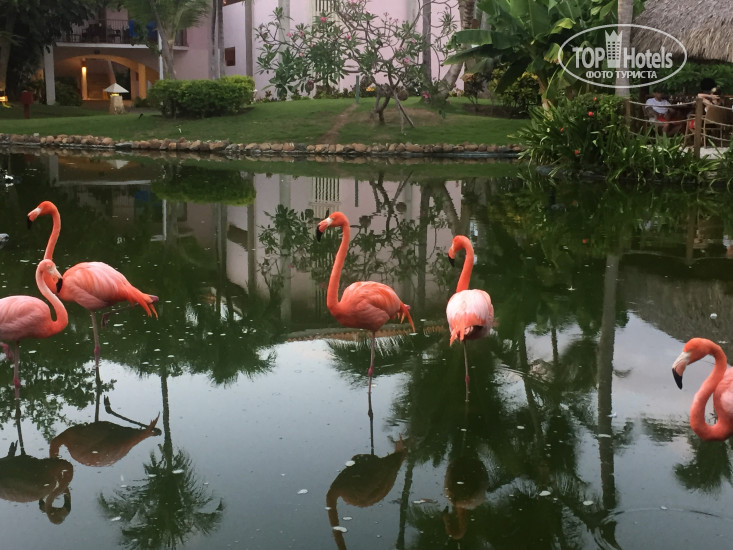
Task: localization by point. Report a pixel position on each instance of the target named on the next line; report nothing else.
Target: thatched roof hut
(703, 26)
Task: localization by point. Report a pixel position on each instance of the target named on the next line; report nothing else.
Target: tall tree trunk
(213, 41)
(166, 51)
(427, 52)
(5, 46)
(220, 37)
(467, 12)
(625, 16)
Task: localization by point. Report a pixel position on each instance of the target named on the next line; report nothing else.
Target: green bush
(589, 133)
(202, 98)
(521, 95)
(67, 94)
(141, 102)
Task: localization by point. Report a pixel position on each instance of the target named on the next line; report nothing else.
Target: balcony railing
(117, 31)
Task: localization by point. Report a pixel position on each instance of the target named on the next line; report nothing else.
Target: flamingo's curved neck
(332, 294)
(467, 267)
(723, 426)
(55, 231)
(62, 318)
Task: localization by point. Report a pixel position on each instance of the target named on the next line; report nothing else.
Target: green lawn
(304, 121)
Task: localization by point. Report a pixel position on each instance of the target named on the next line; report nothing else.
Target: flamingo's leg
(16, 369)
(371, 363)
(95, 331)
(465, 359)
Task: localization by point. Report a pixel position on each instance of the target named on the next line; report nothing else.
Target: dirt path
(341, 119)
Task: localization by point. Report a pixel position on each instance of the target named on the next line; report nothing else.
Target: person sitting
(657, 111)
(708, 99)
(713, 98)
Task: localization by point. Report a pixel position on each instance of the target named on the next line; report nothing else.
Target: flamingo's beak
(321, 227)
(451, 256)
(32, 215)
(59, 284)
(679, 366)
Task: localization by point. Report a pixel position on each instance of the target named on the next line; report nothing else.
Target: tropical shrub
(67, 94)
(202, 98)
(520, 95)
(589, 133)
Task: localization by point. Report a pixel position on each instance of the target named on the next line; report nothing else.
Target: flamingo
(469, 311)
(24, 317)
(92, 285)
(718, 384)
(363, 304)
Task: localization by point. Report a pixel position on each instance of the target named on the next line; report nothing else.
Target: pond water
(574, 434)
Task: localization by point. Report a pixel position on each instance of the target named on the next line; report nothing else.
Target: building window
(323, 6)
(229, 57)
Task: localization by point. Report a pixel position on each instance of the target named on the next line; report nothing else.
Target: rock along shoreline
(234, 150)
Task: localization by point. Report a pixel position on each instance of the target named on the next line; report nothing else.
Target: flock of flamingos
(363, 304)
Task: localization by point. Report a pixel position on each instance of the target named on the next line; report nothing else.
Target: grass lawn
(304, 121)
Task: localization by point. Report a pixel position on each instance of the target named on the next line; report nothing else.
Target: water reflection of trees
(550, 257)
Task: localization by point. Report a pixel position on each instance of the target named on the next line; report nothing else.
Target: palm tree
(171, 17)
(625, 16)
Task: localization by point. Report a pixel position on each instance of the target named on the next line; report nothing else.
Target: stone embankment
(225, 148)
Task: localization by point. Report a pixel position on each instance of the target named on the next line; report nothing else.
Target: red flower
(595, 99)
(590, 113)
(562, 129)
(577, 152)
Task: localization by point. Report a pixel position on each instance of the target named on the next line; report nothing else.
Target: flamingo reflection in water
(470, 312)
(23, 317)
(363, 483)
(466, 483)
(102, 443)
(25, 478)
(363, 304)
(92, 285)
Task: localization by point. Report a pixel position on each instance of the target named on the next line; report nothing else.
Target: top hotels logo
(599, 64)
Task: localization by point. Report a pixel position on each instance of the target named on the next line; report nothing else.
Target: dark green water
(574, 436)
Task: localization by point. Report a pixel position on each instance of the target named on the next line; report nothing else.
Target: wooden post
(699, 113)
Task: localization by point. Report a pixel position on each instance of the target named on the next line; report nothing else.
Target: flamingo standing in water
(469, 311)
(24, 317)
(364, 304)
(719, 384)
(92, 285)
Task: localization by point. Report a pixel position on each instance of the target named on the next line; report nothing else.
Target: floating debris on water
(350, 462)
(302, 491)
(340, 529)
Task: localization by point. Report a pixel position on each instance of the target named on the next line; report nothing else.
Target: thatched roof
(703, 26)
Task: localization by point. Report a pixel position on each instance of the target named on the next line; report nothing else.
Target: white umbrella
(115, 89)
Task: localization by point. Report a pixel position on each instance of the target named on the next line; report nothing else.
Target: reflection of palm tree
(170, 505)
(709, 467)
(26, 478)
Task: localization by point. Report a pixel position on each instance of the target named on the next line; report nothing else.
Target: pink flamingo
(24, 317)
(92, 285)
(364, 304)
(469, 311)
(718, 384)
